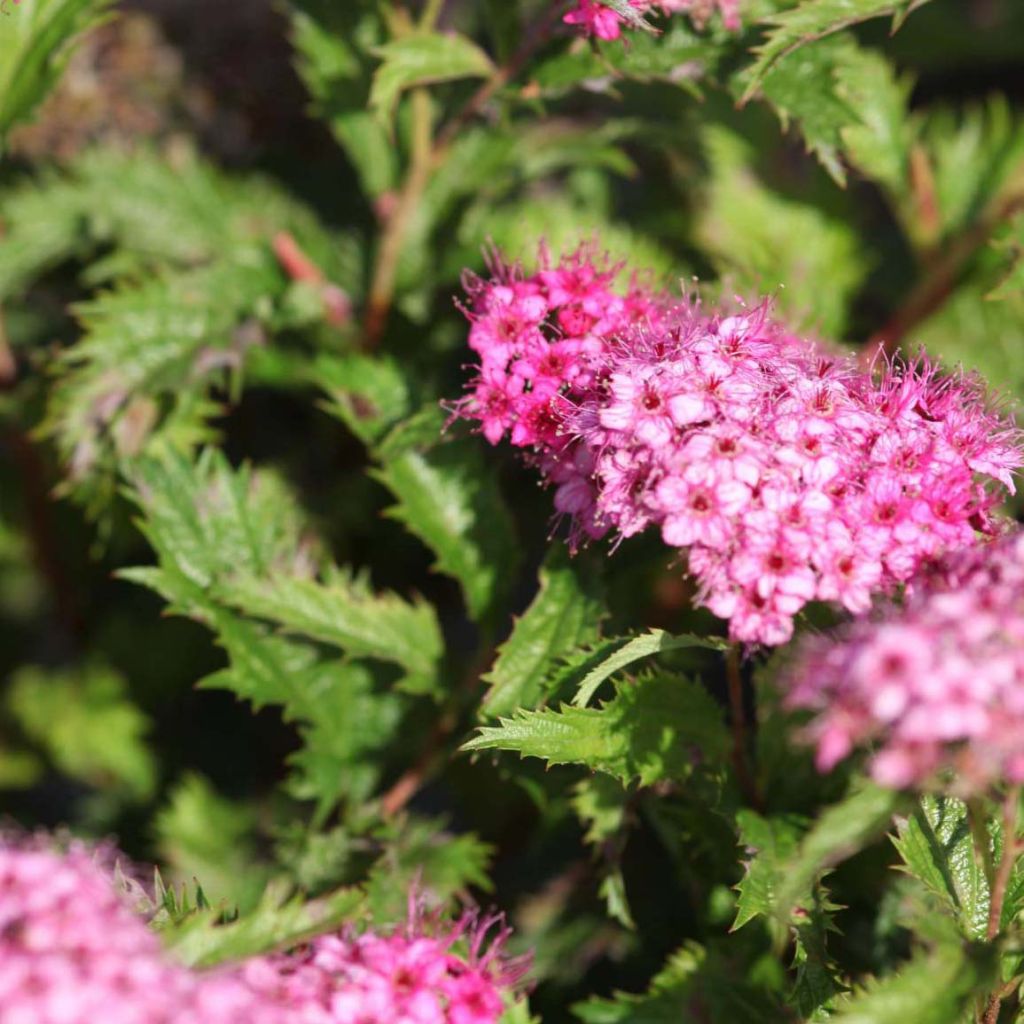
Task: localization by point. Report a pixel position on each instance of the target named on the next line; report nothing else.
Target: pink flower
(786, 474)
(412, 976)
(933, 685)
(595, 19)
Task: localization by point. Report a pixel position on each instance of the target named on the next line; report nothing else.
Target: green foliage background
(255, 634)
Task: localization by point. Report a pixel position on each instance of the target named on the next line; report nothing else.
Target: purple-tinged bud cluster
(785, 473)
(597, 19)
(410, 977)
(935, 684)
(74, 951)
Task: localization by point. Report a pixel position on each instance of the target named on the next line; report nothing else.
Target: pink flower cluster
(73, 951)
(934, 684)
(785, 473)
(410, 977)
(602, 21)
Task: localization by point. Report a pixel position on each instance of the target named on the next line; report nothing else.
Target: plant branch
(739, 726)
(935, 288)
(1011, 850)
(427, 157)
(385, 272)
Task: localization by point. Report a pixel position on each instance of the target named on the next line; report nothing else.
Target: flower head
(602, 21)
(73, 951)
(784, 472)
(411, 976)
(936, 683)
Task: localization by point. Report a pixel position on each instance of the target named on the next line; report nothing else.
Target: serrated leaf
(632, 649)
(695, 982)
(938, 847)
(203, 836)
(421, 853)
(87, 725)
(935, 987)
(655, 728)
(1011, 246)
(814, 19)
(448, 497)
(768, 844)
(839, 832)
(35, 39)
(878, 143)
(369, 395)
(334, 45)
(344, 612)
(278, 922)
(424, 58)
(565, 614)
(975, 154)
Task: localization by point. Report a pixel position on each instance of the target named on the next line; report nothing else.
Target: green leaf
(769, 844)
(420, 853)
(423, 58)
(628, 650)
(344, 718)
(1011, 244)
(344, 612)
(878, 142)
(600, 804)
(979, 308)
(814, 19)
(87, 726)
(846, 102)
(840, 831)
(935, 987)
(35, 40)
(565, 614)
(278, 922)
(226, 538)
(205, 837)
(369, 395)
(975, 155)
(334, 44)
(695, 983)
(759, 240)
(655, 728)
(212, 524)
(448, 497)
(939, 848)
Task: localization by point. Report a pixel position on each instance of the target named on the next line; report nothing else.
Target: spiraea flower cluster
(603, 21)
(934, 684)
(411, 977)
(784, 472)
(72, 951)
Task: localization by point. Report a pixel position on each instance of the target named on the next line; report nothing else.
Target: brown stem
(411, 781)
(739, 726)
(939, 283)
(1011, 849)
(427, 157)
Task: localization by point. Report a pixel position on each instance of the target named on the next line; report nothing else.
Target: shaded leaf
(565, 614)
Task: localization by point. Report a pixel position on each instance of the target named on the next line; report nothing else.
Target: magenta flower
(410, 977)
(784, 473)
(597, 19)
(932, 685)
